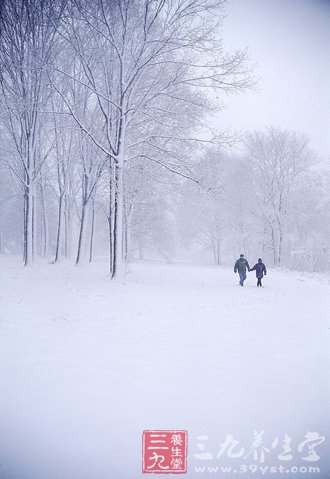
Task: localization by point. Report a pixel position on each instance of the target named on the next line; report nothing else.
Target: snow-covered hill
(86, 365)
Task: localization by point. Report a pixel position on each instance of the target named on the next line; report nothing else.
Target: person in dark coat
(241, 266)
(260, 270)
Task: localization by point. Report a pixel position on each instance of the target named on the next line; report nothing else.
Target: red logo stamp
(164, 452)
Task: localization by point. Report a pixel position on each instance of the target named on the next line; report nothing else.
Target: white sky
(290, 42)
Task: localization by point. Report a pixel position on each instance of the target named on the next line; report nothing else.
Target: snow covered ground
(86, 365)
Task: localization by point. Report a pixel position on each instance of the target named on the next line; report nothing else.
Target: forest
(106, 147)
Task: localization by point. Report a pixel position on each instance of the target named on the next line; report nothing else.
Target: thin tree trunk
(25, 208)
(59, 230)
(28, 226)
(34, 227)
(92, 232)
(273, 245)
(125, 235)
(110, 246)
(218, 253)
(214, 251)
(81, 233)
(280, 249)
(67, 226)
(44, 221)
(110, 219)
(84, 205)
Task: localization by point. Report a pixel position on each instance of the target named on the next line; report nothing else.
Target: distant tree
(277, 159)
(308, 238)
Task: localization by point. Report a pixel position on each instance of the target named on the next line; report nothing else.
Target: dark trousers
(259, 282)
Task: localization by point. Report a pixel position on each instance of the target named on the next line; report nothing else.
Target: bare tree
(146, 62)
(277, 160)
(27, 42)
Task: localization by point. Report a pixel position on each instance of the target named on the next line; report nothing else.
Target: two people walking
(242, 265)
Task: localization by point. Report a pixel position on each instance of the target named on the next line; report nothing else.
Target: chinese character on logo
(257, 448)
(312, 439)
(164, 452)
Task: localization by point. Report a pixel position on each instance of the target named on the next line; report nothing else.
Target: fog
(102, 149)
(289, 43)
(133, 310)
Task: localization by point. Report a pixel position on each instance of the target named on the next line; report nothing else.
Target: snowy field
(86, 365)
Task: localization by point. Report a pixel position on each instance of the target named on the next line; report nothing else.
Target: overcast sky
(290, 42)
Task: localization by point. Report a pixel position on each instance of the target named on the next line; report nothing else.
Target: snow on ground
(86, 365)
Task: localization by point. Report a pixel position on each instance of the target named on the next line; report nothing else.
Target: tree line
(92, 91)
(104, 109)
(272, 200)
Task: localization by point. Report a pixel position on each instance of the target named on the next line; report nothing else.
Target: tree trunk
(280, 246)
(59, 230)
(110, 218)
(214, 251)
(92, 232)
(218, 253)
(118, 263)
(67, 226)
(45, 228)
(25, 207)
(81, 233)
(274, 246)
(29, 224)
(110, 246)
(125, 235)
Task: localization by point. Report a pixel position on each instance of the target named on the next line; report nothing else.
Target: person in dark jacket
(260, 270)
(241, 265)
